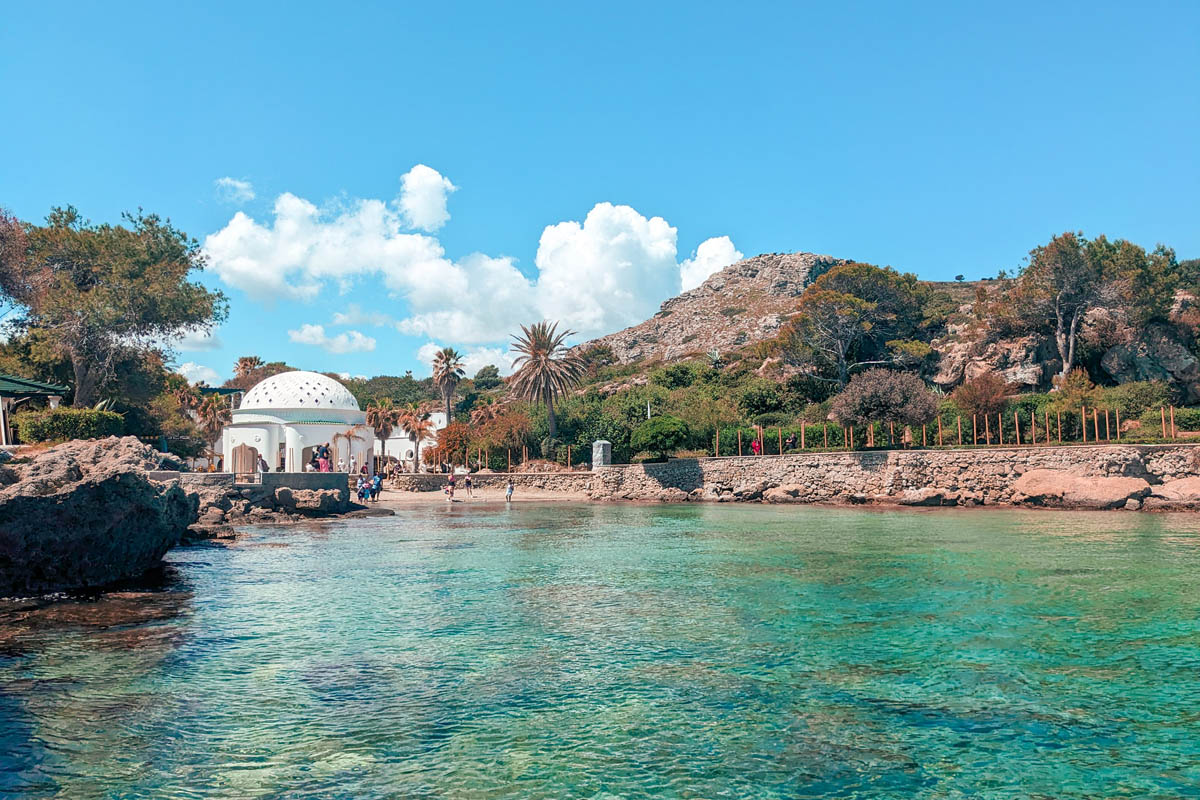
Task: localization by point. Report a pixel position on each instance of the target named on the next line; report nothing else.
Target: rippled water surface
(626, 652)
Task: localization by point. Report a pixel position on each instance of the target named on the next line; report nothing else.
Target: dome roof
(299, 390)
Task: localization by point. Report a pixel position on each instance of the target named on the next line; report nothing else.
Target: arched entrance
(244, 458)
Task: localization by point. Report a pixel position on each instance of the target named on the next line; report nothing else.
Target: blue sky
(587, 157)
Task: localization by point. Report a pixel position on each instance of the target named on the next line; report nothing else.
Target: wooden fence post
(974, 430)
(1117, 414)
(1163, 413)
(939, 430)
(739, 441)
(780, 440)
(1047, 425)
(1059, 414)
(825, 430)
(1096, 425)
(1017, 427)
(987, 429)
(1083, 422)
(959, 430)
(1032, 427)
(509, 452)
(568, 456)
(803, 443)
(717, 449)
(923, 442)
(1174, 435)
(1000, 428)
(891, 434)
(851, 429)
(1107, 436)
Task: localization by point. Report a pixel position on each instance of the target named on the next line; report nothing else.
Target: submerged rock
(84, 514)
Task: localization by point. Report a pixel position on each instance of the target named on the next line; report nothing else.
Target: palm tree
(447, 372)
(544, 366)
(247, 364)
(213, 415)
(381, 416)
(416, 424)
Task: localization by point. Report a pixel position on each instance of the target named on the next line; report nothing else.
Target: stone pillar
(601, 454)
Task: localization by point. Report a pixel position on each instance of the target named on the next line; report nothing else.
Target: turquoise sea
(613, 651)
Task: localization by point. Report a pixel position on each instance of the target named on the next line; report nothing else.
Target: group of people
(322, 461)
(369, 488)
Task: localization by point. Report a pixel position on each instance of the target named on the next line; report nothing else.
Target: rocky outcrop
(84, 514)
(1155, 354)
(1182, 493)
(744, 303)
(1027, 361)
(224, 505)
(1049, 487)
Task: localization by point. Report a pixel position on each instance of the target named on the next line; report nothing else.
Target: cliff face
(744, 303)
(83, 514)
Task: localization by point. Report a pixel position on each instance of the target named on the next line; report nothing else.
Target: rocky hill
(745, 302)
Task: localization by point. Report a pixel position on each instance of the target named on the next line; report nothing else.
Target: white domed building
(287, 415)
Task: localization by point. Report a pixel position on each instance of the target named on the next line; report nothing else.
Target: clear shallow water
(626, 652)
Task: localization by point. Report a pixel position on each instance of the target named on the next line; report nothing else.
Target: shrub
(660, 435)
(1075, 390)
(1186, 419)
(986, 393)
(760, 397)
(1131, 399)
(549, 448)
(67, 423)
(881, 395)
(675, 376)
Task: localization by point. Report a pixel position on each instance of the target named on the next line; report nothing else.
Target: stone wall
(1160, 475)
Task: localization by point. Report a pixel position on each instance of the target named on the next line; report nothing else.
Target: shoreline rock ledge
(84, 513)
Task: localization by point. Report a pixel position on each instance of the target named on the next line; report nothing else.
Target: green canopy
(13, 386)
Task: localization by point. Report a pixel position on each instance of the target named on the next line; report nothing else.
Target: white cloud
(711, 256)
(303, 248)
(348, 342)
(192, 340)
(423, 193)
(197, 373)
(610, 270)
(232, 190)
(474, 359)
(487, 297)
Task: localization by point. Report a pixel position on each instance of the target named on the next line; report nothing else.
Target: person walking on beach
(376, 487)
(508, 490)
(467, 484)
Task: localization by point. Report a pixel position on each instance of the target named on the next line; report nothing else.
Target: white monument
(287, 415)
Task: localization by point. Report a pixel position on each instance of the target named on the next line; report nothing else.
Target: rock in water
(84, 514)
